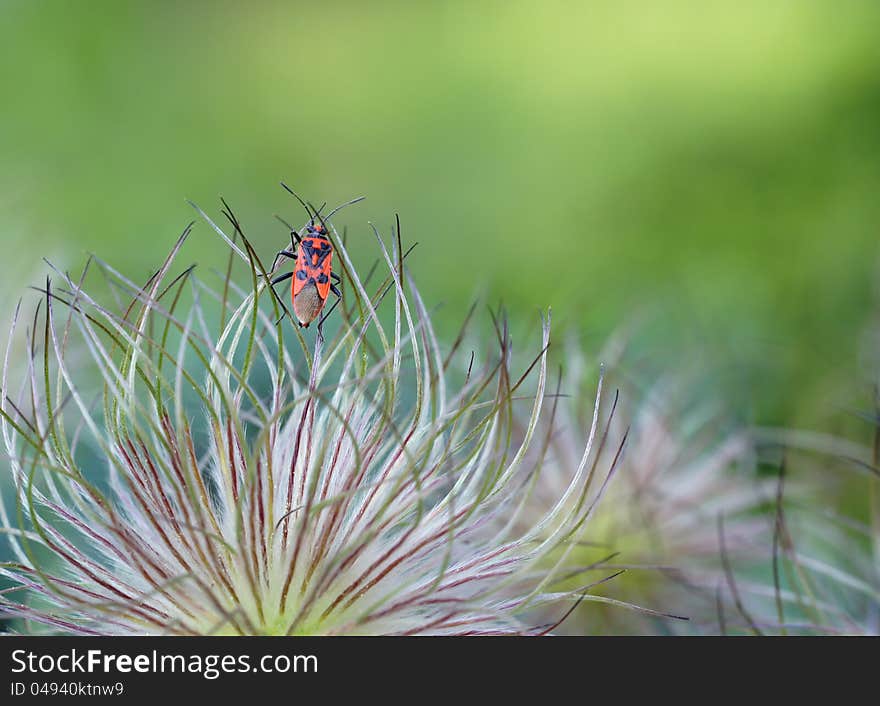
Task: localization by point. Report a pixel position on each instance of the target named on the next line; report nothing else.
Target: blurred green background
(711, 166)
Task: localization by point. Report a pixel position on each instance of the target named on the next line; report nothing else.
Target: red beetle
(313, 276)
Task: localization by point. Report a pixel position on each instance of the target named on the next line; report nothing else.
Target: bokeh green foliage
(712, 165)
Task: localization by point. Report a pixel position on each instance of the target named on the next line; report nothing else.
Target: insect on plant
(313, 278)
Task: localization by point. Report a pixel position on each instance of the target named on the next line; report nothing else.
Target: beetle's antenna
(296, 196)
(318, 215)
(343, 205)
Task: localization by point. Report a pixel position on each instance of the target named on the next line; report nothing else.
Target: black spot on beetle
(322, 278)
(301, 275)
(316, 251)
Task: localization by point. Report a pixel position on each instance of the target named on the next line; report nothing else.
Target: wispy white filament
(256, 481)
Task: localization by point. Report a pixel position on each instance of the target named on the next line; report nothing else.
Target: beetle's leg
(336, 278)
(286, 312)
(330, 310)
(294, 238)
(278, 280)
(281, 278)
(284, 253)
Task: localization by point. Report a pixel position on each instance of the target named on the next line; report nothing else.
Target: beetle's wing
(307, 303)
(325, 269)
(299, 281)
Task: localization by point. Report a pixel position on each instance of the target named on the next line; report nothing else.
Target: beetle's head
(317, 229)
